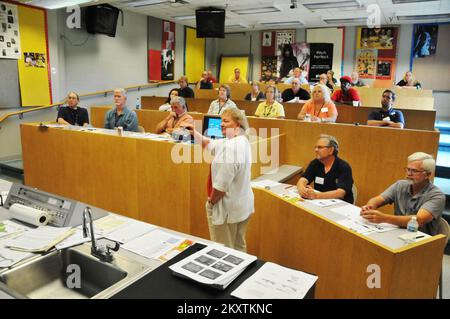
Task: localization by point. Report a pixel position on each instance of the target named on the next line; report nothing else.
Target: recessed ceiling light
(424, 17)
(256, 10)
(57, 4)
(282, 23)
(410, 1)
(144, 3)
(342, 21)
(188, 17)
(348, 4)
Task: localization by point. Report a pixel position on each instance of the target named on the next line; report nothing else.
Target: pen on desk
(420, 236)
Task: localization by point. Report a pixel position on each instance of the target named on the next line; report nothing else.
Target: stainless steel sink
(47, 276)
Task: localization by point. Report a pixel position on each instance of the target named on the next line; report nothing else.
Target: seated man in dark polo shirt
(415, 196)
(120, 115)
(295, 92)
(387, 116)
(331, 175)
(72, 114)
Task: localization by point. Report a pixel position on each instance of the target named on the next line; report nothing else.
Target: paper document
(9, 228)
(75, 239)
(265, 183)
(9, 257)
(356, 227)
(54, 125)
(130, 230)
(214, 265)
(273, 281)
(353, 212)
(324, 202)
(154, 244)
(40, 239)
(411, 237)
(109, 224)
(349, 210)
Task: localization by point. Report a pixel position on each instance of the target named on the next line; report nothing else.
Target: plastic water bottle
(412, 227)
(138, 103)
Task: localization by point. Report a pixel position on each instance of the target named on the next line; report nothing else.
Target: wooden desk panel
(92, 168)
(415, 118)
(368, 150)
(137, 178)
(303, 240)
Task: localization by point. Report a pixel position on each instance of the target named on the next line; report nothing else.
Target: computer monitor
(212, 126)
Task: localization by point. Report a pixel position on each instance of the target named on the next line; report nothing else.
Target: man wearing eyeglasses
(414, 196)
(331, 175)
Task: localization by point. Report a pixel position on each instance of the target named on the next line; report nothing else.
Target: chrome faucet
(99, 252)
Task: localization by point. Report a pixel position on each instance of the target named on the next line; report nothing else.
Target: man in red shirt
(346, 94)
(211, 78)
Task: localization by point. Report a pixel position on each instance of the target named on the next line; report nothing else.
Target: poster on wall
(268, 63)
(167, 65)
(302, 53)
(35, 60)
(9, 32)
(321, 60)
(376, 38)
(425, 40)
(366, 62)
(267, 39)
(286, 60)
(168, 51)
(384, 68)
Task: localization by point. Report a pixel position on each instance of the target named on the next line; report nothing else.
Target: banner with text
(321, 60)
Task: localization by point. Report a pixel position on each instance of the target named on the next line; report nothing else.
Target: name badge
(319, 180)
(324, 110)
(387, 118)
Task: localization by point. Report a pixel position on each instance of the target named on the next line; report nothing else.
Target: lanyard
(220, 107)
(317, 115)
(270, 110)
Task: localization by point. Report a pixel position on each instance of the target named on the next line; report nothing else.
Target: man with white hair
(120, 115)
(415, 196)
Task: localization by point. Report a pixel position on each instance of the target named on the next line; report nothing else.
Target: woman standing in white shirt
(230, 196)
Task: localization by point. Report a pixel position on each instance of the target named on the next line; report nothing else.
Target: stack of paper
(324, 202)
(75, 239)
(357, 223)
(9, 257)
(273, 281)
(214, 265)
(130, 230)
(158, 244)
(265, 183)
(40, 239)
(9, 228)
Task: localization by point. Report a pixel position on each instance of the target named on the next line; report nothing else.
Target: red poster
(154, 65)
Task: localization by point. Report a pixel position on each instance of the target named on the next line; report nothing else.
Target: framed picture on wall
(384, 69)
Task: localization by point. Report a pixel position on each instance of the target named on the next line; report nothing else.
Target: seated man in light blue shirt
(298, 74)
(120, 115)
